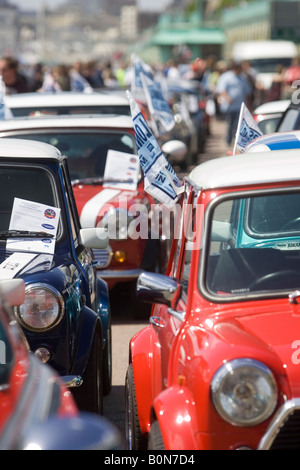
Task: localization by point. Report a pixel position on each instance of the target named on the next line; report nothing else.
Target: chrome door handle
(175, 313)
(157, 321)
(294, 296)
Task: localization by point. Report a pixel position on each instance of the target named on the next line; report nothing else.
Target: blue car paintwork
(73, 276)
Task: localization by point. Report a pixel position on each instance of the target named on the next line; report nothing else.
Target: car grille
(289, 436)
(103, 257)
(284, 430)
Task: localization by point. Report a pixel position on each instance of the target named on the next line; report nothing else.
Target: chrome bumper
(72, 381)
(116, 274)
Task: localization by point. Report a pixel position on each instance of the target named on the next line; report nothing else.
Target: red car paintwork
(174, 360)
(134, 249)
(13, 402)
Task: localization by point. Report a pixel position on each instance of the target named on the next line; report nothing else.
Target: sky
(149, 5)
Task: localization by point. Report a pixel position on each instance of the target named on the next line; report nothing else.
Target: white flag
(158, 106)
(160, 180)
(137, 88)
(247, 129)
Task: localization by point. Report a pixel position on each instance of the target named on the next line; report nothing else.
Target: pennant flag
(160, 180)
(137, 88)
(247, 129)
(148, 91)
(158, 106)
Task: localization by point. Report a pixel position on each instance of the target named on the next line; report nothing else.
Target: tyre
(89, 396)
(155, 441)
(133, 435)
(107, 364)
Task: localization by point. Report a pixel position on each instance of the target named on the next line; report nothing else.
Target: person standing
(233, 88)
(14, 81)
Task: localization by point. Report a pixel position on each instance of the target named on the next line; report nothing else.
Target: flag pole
(238, 128)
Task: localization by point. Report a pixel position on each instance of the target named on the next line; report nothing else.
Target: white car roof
(24, 148)
(278, 106)
(79, 120)
(248, 169)
(69, 98)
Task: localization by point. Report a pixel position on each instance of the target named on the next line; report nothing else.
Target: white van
(265, 56)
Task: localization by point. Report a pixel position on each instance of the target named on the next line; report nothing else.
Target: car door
(168, 321)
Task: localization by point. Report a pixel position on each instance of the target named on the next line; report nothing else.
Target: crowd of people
(226, 84)
(78, 77)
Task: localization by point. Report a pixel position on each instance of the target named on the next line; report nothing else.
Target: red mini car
(219, 365)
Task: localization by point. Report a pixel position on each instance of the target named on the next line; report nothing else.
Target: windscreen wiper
(101, 180)
(4, 234)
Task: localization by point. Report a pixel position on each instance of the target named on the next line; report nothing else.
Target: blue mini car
(66, 313)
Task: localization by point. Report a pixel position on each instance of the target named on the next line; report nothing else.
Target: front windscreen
(56, 110)
(86, 151)
(29, 183)
(270, 65)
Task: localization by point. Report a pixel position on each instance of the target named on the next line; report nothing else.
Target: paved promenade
(215, 144)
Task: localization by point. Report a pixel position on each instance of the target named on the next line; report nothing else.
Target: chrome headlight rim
(236, 366)
(118, 214)
(60, 302)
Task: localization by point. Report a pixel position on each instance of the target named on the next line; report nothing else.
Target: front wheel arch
(168, 405)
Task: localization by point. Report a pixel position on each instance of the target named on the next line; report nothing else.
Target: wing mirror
(94, 238)
(157, 288)
(175, 150)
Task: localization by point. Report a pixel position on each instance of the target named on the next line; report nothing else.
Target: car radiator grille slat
(288, 437)
(102, 256)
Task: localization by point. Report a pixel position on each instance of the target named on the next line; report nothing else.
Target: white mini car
(268, 115)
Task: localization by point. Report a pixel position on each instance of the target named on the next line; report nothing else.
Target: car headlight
(244, 392)
(119, 223)
(43, 307)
